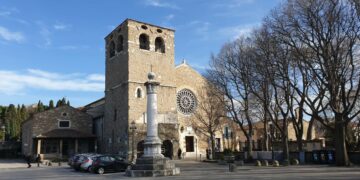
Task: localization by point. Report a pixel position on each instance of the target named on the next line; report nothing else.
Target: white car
(88, 161)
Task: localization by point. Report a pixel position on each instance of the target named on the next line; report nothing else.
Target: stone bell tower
(132, 50)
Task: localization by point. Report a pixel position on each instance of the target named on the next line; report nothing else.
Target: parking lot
(194, 170)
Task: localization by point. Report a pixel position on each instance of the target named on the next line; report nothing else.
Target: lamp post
(271, 134)
(133, 129)
(4, 132)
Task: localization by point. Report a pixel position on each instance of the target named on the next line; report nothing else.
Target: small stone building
(58, 133)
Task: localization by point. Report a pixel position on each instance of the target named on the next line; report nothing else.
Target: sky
(55, 49)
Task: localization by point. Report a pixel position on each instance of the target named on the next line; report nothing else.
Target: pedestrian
(207, 154)
(179, 153)
(28, 160)
(38, 158)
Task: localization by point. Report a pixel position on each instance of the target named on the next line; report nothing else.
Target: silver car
(88, 161)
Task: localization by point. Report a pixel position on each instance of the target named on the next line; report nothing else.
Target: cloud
(169, 17)
(9, 13)
(5, 13)
(45, 33)
(73, 47)
(161, 3)
(96, 77)
(110, 27)
(8, 35)
(236, 31)
(61, 26)
(200, 28)
(232, 3)
(13, 82)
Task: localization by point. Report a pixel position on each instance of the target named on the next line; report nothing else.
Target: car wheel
(101, 170)
(90, 169)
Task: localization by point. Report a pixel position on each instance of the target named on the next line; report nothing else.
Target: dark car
(109, 163)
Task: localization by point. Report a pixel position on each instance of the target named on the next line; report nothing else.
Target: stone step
(152, 173)
(153, 166)
(152, 161)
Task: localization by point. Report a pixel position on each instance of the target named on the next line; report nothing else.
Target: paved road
(195, 170)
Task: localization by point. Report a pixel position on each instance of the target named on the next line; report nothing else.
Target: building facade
(58, 133)
(132, 50)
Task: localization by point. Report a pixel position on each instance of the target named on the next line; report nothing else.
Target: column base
(152, 167)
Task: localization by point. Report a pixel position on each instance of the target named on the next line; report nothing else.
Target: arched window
(138, 93)
(159, 45)
(119, 44)
(144, 41)
(111, 49)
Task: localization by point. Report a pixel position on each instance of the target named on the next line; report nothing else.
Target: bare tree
(272, 61)
(330, 31)
(209, 113)
(230, 72)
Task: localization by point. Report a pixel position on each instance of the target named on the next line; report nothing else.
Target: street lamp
(3, 130)
(133, 129)
(271, 134)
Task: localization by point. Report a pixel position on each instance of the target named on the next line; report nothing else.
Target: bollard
(232, 167)
(265, 163)
(257, 163)
(276, 163)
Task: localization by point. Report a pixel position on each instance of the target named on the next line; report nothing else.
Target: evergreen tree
(51, 104)
(40, 107)
(23, 113)
(58, 103)
(63, 101)
(68, 103)
(10, 122)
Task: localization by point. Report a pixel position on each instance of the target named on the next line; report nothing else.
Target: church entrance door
(167, 149)
(140, 148)
(189, 140)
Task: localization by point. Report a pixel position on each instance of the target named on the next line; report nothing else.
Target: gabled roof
(184, 64)
(32, 116)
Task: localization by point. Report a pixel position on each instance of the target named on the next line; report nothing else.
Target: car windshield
(119, 158)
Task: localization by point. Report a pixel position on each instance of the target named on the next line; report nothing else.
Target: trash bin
(331, 156)
(315, 157)
(302, 157)
(323, 157)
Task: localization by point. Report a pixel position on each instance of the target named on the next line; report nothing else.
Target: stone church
(132, 50)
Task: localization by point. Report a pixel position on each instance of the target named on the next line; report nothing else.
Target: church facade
(132, 50)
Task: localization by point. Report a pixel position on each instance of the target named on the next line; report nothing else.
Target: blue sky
(54, 49)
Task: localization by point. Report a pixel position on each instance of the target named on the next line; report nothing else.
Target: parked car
(79, 159)
(87, 162)
(107, 163)
(72, 159)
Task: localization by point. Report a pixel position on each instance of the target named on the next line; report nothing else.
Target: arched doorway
(167, 149)
(140, 148)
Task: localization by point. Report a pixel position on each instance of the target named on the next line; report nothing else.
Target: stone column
(152, 144)
(38, 150)
(60, 150)
(76, 146)
(152, 163)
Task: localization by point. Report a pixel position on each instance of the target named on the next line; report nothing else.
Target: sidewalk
(20, 163)
(13, 163)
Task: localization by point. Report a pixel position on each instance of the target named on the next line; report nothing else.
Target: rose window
(186, 101)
